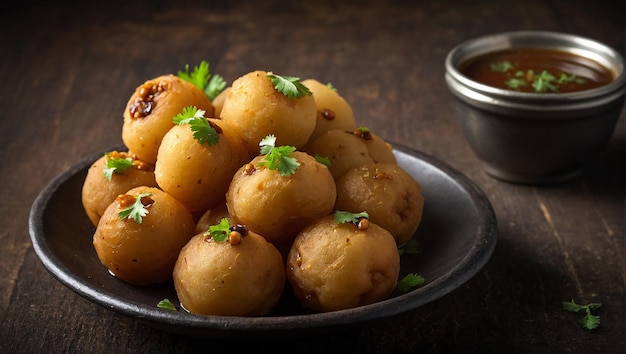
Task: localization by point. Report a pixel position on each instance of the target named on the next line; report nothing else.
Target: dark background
(67, 70)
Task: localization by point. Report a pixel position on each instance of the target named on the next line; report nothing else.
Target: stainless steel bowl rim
(470, 90)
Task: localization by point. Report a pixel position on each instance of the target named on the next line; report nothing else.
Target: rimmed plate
(458, 234)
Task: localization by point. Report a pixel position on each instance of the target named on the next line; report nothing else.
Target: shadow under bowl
(535, 138)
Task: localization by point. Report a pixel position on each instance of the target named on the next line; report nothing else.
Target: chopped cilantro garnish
(278, 158)
(289, 86)
(331, 87)
(203, 132)
(116, 165)
(589, 321)
(502, 66)
(219, 232)
(136, 211)
(166, 304)
(342, 217)
(409, 281)
(201, 78)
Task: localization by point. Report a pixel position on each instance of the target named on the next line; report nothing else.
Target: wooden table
(67, 71)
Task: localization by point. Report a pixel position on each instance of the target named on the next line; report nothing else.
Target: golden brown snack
(277, 206)
(99, 191)
(339, 266)
(218, 102)
(349, 149)
(243, 276)
(195, 173)
(256, 109)
(212, 217)
(333, 111)
(388, 193)
(143, 253)
(150, 109)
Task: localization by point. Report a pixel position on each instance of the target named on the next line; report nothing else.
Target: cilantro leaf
(331, 87)
(216, 85)
(201, 78)
(219, 232)
(342, 217)
(409, 281)
(589, 321)
(202, 130)
(136, 211)
(278, 158)
(116, 165)
(289, 86)
(412, 247)
(323, 160)
(166, 304)
(502, 66)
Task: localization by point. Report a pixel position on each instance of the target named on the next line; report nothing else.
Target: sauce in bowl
(536, 70)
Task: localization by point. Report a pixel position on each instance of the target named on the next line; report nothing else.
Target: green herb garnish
(219, 232)
(203, 132)
(278, 158)
(136, 211)
(331, 87)
(289, 86)
(589, 321)
(411, 247)
(501, 66)
(411, 280)
(342, 217)
(201, 78)
(116, 165)
(166, 304)
(323, 160)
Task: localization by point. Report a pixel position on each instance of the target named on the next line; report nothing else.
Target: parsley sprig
(203, 132)
(589, 321)
(412, 247)
(136, 211)
(289, 86)
(116, 165)
(278, 157)
(212, 85)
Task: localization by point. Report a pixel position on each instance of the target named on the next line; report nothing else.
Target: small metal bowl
(536, 138)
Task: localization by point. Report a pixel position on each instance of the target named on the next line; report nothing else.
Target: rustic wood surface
(68, 68)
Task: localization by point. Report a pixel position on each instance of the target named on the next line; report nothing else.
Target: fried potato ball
(212, 217)
(277, 206)
(150, 109)
(333, 111)
(349, 149)
(339, 266)
(229, 278)
(98, 191)
(388, 193)
(256, 109)
(197, 174)
(143, 252)
(218, 102)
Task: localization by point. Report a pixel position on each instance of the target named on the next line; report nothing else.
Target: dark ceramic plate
(457, 233)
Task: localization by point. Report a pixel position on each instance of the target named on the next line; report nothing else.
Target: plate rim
(476, 258)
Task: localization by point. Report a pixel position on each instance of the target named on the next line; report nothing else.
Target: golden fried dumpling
(150, 109)
(141, 247)
(113, 174)
(333, 111)
(335, 266)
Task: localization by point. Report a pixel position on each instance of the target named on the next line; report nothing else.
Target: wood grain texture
(68, 69)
